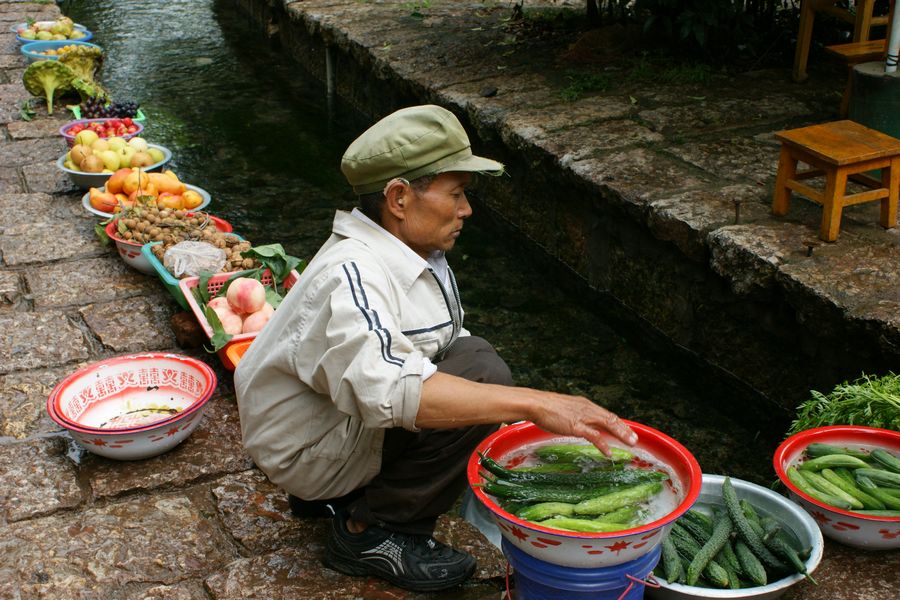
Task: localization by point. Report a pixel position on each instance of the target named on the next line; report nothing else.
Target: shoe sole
(335, 561)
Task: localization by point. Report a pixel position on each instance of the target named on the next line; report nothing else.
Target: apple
(141, 159)
(139, 144)
(110, 159)
(125, 155)
(43, 35)
(156, 154)
(116, 143)
(86, 137)
(100, 145)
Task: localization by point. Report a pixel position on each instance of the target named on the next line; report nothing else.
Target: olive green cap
(410, 143)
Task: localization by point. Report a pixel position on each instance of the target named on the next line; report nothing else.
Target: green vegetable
(880, 513)
(886, 460)
(545, 510)
(824, 485)
(817, 449)
(870, 488)
(551, 468)
(535, 493)
(867, 501)
(591, 478)
(749, 511)
(881, 477)
(626, 514)
(699, 532)
(728, 559)
(583, 525)
(717, 540)
(699, 518)
(46, 78)
(610, 502)
(274, 258)
(872, 401)
(833, 460)
(750, 564)
(688, 549)
(745, 530)
(781, 547)
(579, 453)
(671, 562)
(799, 480)
(85, 61)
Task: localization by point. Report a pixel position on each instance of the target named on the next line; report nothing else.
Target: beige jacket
(341, 360)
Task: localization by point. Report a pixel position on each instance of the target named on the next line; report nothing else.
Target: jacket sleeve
(352, 349)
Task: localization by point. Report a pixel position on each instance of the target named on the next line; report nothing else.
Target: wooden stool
(839, 151)
(853, 54)
(861, 19)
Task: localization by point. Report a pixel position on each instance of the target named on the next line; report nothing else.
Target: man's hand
(577, 416)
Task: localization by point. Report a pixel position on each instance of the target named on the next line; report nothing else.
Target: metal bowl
(766, 502)
(86, 180)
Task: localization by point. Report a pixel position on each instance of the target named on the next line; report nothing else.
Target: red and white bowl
(122, 391)
(844, 526)
(590, 550)
(131, 251)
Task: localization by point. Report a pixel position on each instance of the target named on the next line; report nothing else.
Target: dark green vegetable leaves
(219, 338)
(273, 257)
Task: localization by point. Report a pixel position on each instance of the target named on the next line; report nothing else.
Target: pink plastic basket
(213, 286)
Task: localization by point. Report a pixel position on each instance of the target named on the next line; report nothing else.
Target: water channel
(246, 124)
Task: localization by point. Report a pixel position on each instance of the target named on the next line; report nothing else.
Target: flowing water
(246, 124)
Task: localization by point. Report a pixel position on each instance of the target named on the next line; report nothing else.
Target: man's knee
(473, 358)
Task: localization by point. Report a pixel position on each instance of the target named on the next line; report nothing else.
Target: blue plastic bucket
(539, 580)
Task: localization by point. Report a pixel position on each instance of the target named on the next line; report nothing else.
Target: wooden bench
(839, 151)
(853, 54)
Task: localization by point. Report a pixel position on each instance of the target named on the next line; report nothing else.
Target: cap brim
(475, 164)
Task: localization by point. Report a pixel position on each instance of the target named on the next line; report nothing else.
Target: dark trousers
(423, 473)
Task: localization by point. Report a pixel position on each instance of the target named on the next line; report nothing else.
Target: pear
(141, 159)
(92, 164)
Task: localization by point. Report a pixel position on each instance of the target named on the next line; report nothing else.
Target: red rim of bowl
(804, 439)
(644, 433)
(221, 224)
(71, 136)
(59, 419)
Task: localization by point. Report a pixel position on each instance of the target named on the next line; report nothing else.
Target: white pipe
(893, 48)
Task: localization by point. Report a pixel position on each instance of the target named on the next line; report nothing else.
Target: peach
(246, 295)
(218, 301)
(257, 320)
(231, 321)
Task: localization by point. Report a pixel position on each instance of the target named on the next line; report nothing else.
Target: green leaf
(219, 338)
(120, 227)
(202, 289)
(273, 297)
(273, 257)
(100, 230)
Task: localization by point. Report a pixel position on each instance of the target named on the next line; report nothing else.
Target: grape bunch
(96, 108)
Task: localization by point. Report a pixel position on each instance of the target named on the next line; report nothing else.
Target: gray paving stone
(46, 177)
(60, 284)
(38, 128)
(41, 242)
(25, 152)
(20, 209)
(23, 399)
(712, 113)
(11, 180)
(10, 290)
(133, 324)
(38, 479)
(733, 159)
(93, 553)
(587, 141)
(33, 340)
(214, 448)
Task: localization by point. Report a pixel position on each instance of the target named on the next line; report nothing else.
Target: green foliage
(579, 83)
(869, 401)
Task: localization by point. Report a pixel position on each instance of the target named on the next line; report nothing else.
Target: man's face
(434, 218)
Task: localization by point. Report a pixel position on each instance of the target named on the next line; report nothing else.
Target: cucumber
(799, 480)
(868, 502)
(816, 450)
(781, 547)
(698, 517)
(825, 486)
(688, 549)
(886, 460)
(698, 532)
(545, 510)
(671, 562)
(580, 453)
(582, 525)
(749, 511)
(610, 502)
(745, 530)
(750, 565)
(626, 514)
(541, 493)
(713, 545)
(551, 468)
(880, 513)
(833, 460)
(728, 559)
(590, 478)
(880, 477)
(869, 487)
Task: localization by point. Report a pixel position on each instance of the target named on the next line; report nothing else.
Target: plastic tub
(31, 51)
(214, 284)
(70, 137)
(539, 580)
(139, 117)
(86, 34)
(235, 352)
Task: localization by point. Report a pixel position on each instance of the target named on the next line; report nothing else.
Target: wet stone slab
(61, 285)
(21, 209)
(39, 128)
(587, 141)
(23, 399)
(686, 219)
(42, 242)
(38, 479)
(91, 554)
(133, 324)
(23, 152)
(710, 113)
(36, 340)
(851, 574)
(46, 177)
(733, 159)
(213, 448)
(10, 290)
(10, 181)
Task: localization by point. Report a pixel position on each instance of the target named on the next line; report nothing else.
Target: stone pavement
(199, 521)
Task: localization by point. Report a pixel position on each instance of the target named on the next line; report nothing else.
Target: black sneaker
(414, 562)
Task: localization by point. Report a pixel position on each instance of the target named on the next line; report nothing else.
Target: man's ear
(396, 193)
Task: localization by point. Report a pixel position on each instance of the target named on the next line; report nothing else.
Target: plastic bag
(189, 259)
